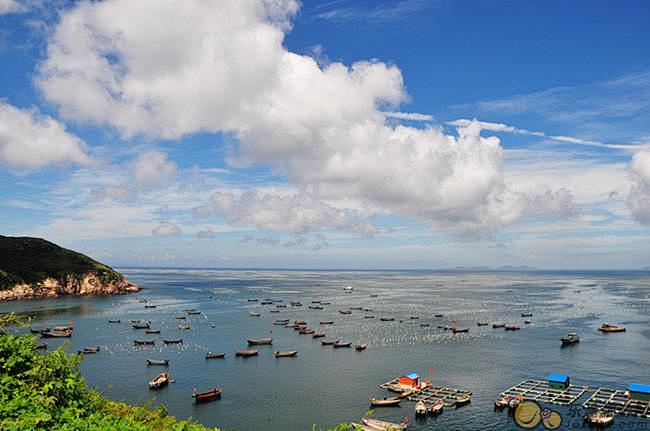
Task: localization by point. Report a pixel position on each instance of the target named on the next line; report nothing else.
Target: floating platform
(538, 390)
(430, 393)
(616, 401)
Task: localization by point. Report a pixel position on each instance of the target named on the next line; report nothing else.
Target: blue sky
(329, 134)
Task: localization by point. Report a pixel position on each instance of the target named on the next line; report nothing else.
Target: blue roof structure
(412, 376)
(644, 389)
(561, 378)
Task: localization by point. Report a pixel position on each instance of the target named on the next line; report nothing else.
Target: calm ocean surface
(325, 386)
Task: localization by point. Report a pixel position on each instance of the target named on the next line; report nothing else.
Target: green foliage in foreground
(31, 260)
(45, 391)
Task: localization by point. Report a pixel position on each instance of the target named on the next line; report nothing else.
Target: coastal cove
(328, 386)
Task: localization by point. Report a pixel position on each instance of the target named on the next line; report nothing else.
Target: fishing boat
(260, 341)
(513, 403)
(57, 334)
(152, 331)
(512, 328)
(254, 314)
(296, 304)
(369, 316)
(348, 289)
(599, 418)
(526, 314)
(149, 306)
(211, 395)
(438, 315)
(306, 331)
(481, 323)
(159, 381)
(424, 325)
(114, 321)
(387, 319)
(180, 317)
(246, 353)
(570, 338)
(611, 328)
(342, 344)
(498, 325)
(211, 355)
(68, 327)
(385, 402)
(163, 362)
(326, 322)
(42, 346)
(94, 349)
(463, 399)
(193, 313)
(176, 341)
(414, 317)
(459, 330)
(141, 325)
(287, 354)
(299, 327)
(420, 408)
(501, 402)
(281, 322)
(274, 311)
(300, 322)
(252, 300)
(315, 307)
(527, 322)
(383, 425)
(345, 311)
(329, 342)
(436, 407)
(144, 342)
(361, 346)
(318, 335)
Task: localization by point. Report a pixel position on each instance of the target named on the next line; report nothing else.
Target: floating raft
(616, 401)
(430, 393)
(538, 390)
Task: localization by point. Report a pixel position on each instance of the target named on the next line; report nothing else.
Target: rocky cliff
(36, 268)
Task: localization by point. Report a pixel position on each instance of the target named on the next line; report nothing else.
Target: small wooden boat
(180, 317)
(152, 331)
(318, 335)
(42, 346)
(260, 341)
(94, 349)
(149, 306)
(159, 381)
(373, 295)
(513, 403)
(527, 322)
(526, 314)
(361, 346)
(369, 316)
(281, 322)
(383, 425)
(211, 355)
(329, 342)
(345, 311)
(326, 322)
(114, 321)
(203, 397)
(600, 418)
(385, 402)
(296, 304)
(387, 319)
(436, 407)
(246, 353)
(68, 327)
(163, 362)
(141, 325)
(501, 402)
(57, 334)
(315, 307)
(420, 408)
(481, 323)
(267, 302)
(459, 330)
(498, 325)
(367, 309)
(512, 328)
(183, 327)
(299, 327)
(342, 344)
(254, 314)
(356, 308)
(414, 317)
(252, 300)
(144, 342)
(570, 338)
(306, 331)
(611, 328)
(287, 354)
(300, 322)
(463, 399)
(176, 341)
(438, 315)
(274, 311)
(424, 325)
(38, 331)
(325, 303)
(194, 313)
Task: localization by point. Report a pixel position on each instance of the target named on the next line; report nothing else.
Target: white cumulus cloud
(29, 140)
(153, 169)
(639, 197)
(10, 6)
(166, 229)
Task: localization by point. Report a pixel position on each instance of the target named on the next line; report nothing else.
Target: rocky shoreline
(84, 285)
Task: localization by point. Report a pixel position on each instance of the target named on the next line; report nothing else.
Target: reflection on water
(324, 385)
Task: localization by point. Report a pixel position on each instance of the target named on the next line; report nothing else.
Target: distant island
(504, 268)
(36, 268)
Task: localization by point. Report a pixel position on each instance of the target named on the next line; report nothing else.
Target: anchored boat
(570, 338)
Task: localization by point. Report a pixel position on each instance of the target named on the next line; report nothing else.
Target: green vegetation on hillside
(31, 260)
